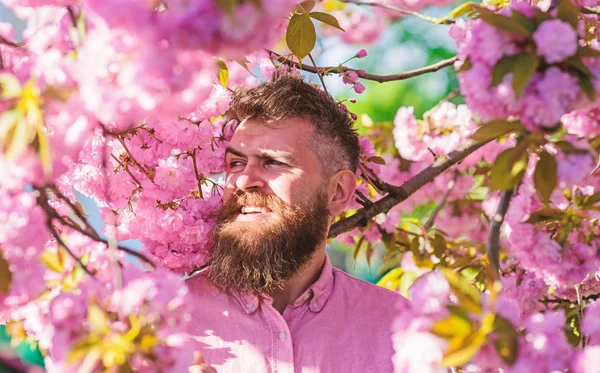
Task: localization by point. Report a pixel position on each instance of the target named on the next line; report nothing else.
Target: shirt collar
(317, 294)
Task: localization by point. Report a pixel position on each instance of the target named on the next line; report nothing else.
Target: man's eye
(276, 163)
(233, 164)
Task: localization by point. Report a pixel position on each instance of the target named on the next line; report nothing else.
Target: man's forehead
(286, 135)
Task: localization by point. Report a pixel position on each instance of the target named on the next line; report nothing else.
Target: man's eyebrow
(276, 154)
(264, 154)
(231, 150)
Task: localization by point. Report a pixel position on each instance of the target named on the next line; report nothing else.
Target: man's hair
(287, 96)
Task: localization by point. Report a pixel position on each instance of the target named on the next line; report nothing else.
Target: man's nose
(250, 179)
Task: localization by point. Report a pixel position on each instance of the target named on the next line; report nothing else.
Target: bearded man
(270, 300)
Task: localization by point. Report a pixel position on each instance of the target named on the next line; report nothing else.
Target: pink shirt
(339, 324)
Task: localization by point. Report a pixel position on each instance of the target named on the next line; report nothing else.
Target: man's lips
(252, 212)
(251, 209)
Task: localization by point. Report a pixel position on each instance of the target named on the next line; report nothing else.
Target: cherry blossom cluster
(531, 73)
(140, 325)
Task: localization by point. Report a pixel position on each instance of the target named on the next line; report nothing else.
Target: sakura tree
(122, 101)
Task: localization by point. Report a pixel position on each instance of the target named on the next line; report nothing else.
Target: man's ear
(341, 191)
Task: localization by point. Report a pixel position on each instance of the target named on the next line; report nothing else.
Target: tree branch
(43, 202)
(493, 244)
(404, 11)
(132, 158)
(320, 75)
(442, 203)
(401, 193)
(88, 230)
(367, 76)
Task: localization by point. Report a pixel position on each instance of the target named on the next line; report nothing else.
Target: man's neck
(306, 276)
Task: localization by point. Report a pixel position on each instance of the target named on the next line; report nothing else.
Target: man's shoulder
(364, 290)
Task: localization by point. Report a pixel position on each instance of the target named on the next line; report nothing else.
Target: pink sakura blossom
(442, 130)
(583, 122)
(524, 291)
(361, 53)
(544, 347)
(560, 266)
(590, 325)
(586, 360)
(416, 349)
(555, 40)
(37, 3)
(158, 296)
(548, 95)
(351, 77)
(361, 25)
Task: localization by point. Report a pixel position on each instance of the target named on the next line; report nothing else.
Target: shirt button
(307, 296)
(249, 306)
(282, 335)
(315, 304)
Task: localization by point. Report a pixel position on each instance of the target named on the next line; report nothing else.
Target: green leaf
(522, 66)
(589, 201)
(568, 148)
(10, 87)
(392, 279)
(8, 120)
(507, 340)
(243, 62)
(525, 21)
(301, 36)
(458, 323)
(457, 12)
(503, 67)
(544, 177)
(468, 296)
(495, 129)
(507, 24)
(502, 175)
(223, 73)
(376, 159)
(523, 71)
(439, 245)
(305, 6)
(568, 12)
(545, 214)
(5, 274)
(326, 18)
(586, 85)
(588, 51)
(462, 350)
(466, 66)
(43, 148)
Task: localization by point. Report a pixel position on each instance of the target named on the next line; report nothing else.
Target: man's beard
(260, 256)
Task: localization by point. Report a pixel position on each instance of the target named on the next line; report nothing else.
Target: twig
(401, 193)
(87, 230)
(127, 170)
(72, 15)
(362, 199)
(493, 244)
(319, 74)
(196, 172)
(442, 203)
(580, 309)
(11, 43)
(141, 168)
(381, 186)
(367, 76)
(66, 248)
(42, 200)
(401, 11)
